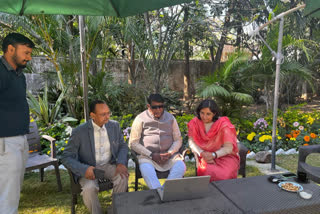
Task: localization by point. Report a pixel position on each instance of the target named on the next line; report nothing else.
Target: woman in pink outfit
(214, 140)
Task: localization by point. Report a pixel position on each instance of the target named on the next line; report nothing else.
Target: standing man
(14, 119)
(156, 137)
(97, 144)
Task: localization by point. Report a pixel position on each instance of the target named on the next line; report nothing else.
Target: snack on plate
(290, 187)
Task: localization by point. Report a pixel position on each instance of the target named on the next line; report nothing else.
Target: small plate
(290, 186)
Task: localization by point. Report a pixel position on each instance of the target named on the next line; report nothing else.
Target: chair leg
(73, 203)
(41, 174)
(56, 168)
(136, 183)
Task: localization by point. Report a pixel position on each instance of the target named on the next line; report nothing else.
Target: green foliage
(182, 122)
(61, 131)
(122, 98)
(172, 100)
(45, 111)
(228, 85)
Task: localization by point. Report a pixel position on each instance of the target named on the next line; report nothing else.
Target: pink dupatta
(220, 132)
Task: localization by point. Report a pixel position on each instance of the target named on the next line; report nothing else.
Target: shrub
(61, 132)
(182, 123)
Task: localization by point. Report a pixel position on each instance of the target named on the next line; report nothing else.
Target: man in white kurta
(156, 138)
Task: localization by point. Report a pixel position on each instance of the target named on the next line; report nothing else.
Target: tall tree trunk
(211, 49)
(186, 73)
(239, 32)
(217, 60)
(132, 64)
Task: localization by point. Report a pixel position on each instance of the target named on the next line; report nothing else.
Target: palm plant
(228, 85)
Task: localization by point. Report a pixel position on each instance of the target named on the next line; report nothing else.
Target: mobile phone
(289, 175)
(98, 173)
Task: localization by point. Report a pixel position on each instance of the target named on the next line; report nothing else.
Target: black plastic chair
(104, 184)
(243, 159)
(160, 175)
(313, 172)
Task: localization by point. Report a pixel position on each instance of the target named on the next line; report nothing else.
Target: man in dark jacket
(97, 144)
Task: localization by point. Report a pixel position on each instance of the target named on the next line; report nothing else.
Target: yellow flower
(48, 152)
(293, 139)
(66, 142)
(261, 139)
(310, 120)
(31, 119)
(251, 136)
(265, 137)
(62, 148)
(279, 138)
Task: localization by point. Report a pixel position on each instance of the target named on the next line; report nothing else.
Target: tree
(164, 30)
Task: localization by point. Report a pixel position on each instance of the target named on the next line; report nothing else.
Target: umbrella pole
(83, 67)
(279, 58)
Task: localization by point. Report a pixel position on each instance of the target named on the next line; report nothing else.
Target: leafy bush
(60, 131)
(122, 98)
(125, 124)
(182, 122)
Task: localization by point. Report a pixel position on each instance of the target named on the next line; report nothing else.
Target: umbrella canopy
(312, 8)
(120, 8)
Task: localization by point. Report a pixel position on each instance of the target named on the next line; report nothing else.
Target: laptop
(184, 188)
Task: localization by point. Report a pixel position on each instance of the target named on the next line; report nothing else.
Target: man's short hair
(92, 106)
(16, 39)
(155, 98)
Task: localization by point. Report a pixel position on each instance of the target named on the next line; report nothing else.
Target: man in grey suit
(97, 144)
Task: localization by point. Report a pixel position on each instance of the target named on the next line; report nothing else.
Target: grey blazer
(79, 153)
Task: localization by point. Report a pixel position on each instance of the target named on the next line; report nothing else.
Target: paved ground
(265, 168)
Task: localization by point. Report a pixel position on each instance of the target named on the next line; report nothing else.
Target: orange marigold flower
(298, 132)
(295, 135)
(305, 144)
(248, 151)
(288, 135)
(313, 135)
(306, 138)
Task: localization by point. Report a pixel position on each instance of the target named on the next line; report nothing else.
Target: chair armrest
(134, 156)
(304, 151)
(184, 152)
(52, 145)
(196, 158)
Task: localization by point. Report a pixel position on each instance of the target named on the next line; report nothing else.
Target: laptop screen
(184, 188)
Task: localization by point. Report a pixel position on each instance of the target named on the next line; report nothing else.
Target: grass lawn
(42, 197)
(290, 162)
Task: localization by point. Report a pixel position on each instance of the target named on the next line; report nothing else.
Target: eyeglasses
(157, 107)
(105, 114)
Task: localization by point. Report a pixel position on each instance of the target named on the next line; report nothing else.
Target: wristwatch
(214, 155)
